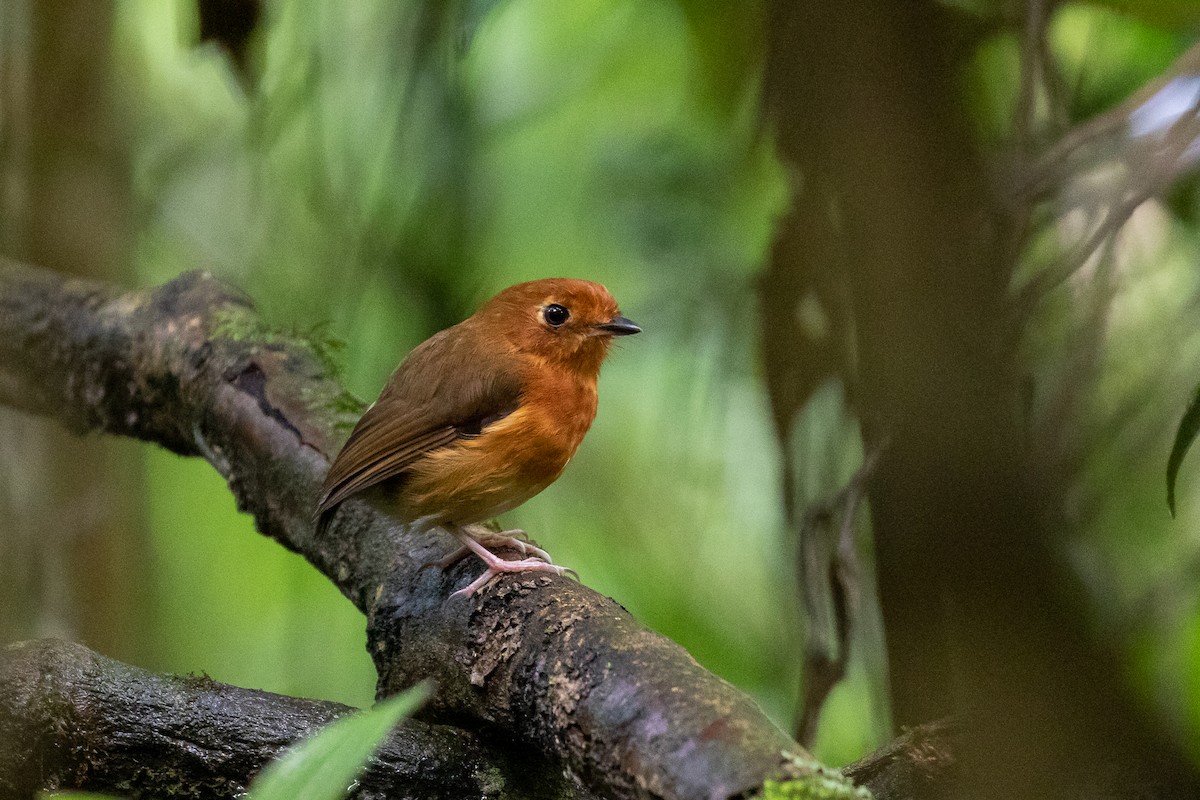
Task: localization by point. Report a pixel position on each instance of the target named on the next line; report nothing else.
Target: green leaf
(1189, 426)
(325, 766)
(75, 796)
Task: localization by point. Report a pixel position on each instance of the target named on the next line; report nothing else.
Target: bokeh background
(369, 172)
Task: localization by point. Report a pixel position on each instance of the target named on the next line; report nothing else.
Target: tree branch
(832, 592)
(552, 663)
(71, 719)
(919, 764)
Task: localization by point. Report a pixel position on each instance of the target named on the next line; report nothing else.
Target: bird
(481, 417)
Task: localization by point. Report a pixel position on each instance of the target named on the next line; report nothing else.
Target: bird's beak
(619, 326)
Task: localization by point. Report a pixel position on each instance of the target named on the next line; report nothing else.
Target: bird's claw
(516, 533)
(492, 539)
(538, 562)
(506, 539)
(501, 567)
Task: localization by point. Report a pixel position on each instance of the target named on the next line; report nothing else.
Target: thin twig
(1032, 69)
(832, 593)
(1149, 171)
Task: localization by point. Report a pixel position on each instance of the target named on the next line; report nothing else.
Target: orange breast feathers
(484, 415)
(510, 461)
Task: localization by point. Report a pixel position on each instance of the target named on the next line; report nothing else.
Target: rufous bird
(482, 416)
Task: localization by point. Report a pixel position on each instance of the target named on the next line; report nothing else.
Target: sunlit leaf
(325, 766)
(1189, 426)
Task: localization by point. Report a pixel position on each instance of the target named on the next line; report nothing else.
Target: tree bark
(921, 764)
(76, 720)
(554, 665)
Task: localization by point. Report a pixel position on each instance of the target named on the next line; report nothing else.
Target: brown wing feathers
(426, 406)
(370, 459)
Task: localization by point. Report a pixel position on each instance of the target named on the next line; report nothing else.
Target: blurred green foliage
(391, 165)
(377, 181)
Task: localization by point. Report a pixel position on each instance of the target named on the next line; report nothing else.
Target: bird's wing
(441, 393)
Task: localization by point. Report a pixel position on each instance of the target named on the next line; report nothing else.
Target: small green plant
(1188, 429)
(325, 766)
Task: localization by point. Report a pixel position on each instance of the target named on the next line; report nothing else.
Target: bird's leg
(481, 530)
(448, 561)
(498, 566)
(516, 538)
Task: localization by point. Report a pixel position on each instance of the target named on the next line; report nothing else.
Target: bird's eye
(555, 315)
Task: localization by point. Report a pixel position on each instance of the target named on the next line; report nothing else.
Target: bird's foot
(447, 561)
(482, 532)
(516, 539)
(478, 544)
(495, 540)
(513, 538)
(500, 567)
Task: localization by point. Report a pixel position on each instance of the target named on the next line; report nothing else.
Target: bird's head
(563, 320)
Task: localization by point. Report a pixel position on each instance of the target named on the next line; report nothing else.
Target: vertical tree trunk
(981, 621)
(72, 542)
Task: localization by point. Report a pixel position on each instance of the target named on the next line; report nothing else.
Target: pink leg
(481, 532)
(514, 539)
(448, 561)
(497, 566)
(491, 539)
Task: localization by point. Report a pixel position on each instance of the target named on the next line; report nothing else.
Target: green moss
(346, 403)
(342, 409)
(240, 324)
(326, 348)
(821, 783)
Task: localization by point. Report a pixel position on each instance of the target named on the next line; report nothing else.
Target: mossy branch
(551, 664)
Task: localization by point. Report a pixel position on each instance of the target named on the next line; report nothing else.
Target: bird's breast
(508, 461)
